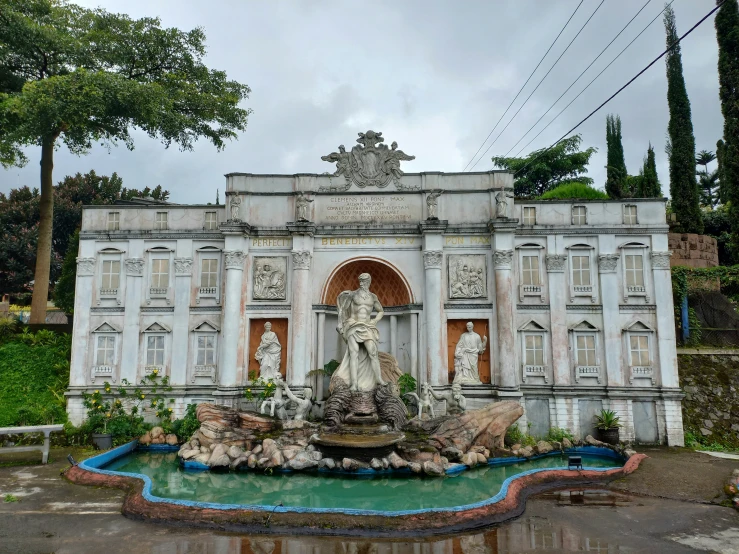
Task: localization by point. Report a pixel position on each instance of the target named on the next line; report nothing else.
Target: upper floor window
(105, 350)
(211, 221)
(114, 221)
(206, 354)
(630, 215)
(634, 268)
(155, 350)
(579, 215)
(581, 270)
(529, 216)
(585, 349)
(160, 273)
(530, 270)
(111, 275)
(161, 222)
(639, 347)
(208, 273)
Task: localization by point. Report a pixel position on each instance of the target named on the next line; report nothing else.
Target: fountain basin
(357, 442)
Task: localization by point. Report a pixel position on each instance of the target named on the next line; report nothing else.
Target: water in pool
(327, 490)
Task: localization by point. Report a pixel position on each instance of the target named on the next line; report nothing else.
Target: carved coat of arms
(370, 163)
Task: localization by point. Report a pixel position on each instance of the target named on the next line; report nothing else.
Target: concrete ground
(665, 506)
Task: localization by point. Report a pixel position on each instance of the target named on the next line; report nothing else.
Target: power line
(537, 86)
(594, 79)
(634, 78)
(579, 76)
(524, 85)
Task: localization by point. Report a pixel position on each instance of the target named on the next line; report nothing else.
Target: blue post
(685, 321)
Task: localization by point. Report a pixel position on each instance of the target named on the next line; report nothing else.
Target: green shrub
(558, 433)
(187, 426)
(514, 435)
(576, 191)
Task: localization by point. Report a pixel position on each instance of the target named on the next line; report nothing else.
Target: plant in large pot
(608, 424)
(99, 412)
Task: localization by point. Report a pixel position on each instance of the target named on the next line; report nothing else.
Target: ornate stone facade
(467, 276)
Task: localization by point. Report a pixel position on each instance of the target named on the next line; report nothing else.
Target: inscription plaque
(396, 208)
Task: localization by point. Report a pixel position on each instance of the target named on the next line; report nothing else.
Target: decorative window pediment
(111, 251)
(157, 327)
(106, 327)
(160, 249)
(633, 245)
(206, 327)
(532, 325)
(209, 249)
(639, 326)
(584, 325)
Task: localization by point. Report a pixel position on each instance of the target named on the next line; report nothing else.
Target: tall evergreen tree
(723, 182)
(650, 186)
(683, 182)
(616, 174)
(727, 35)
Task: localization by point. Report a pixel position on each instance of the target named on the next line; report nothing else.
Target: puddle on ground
(587, 497)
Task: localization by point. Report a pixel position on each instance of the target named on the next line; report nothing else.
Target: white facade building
(575, 297)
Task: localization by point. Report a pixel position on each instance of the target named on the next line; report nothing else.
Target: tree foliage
(575, 190)
(650, 186)
(708, 181)
(616, 174)
(543, 170)
(683, 184)
(79, 76)
(64, 289)
(727, 35)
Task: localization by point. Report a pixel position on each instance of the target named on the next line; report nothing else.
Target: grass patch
(10, 498)
(574, 191)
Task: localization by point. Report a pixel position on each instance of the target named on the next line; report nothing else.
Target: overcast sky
(433, 75)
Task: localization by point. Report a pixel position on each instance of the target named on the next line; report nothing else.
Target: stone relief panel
(270, 278)
(135, 266)
(301, 259)
(85, 266)
(183, 266)
(467, 276)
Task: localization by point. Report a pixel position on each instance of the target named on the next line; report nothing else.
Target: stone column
(180, 324)
(79, 374)
(557, 293)
(131, 331)
(414, 345)
(231, 324)
(433, 303)
(612, 334)
(394, 336)
(301, 305)
(320, 353)
(503, 235)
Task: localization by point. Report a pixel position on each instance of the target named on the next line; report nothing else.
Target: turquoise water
(393, 492)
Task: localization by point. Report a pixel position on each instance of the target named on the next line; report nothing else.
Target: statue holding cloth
(469, 347)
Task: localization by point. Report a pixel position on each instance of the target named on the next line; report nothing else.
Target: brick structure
(693, 250)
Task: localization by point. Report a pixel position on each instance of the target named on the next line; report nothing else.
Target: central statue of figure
(360, 368)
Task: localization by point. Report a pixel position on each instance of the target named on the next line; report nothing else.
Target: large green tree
(78, 76)
(650, 186)
(546, 169)
(685, 198)
(727, 35)
(616, 174)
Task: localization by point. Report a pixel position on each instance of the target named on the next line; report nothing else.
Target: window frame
(113, 224)
(529, 250)
(209, 253)
(635, 221)
(204, 330)
(532, 221)
(635, 291)
(641, 329)
(158, 221)
(210, 225)
(582, 291)
(585, 214)
(105, 371)
(585, 329)
(155, 330)
(159, 253)
(534, 329)
(107, 255)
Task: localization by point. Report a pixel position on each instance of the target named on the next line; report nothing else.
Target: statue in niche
(466, 354)
(276, 403)
(303, 405)
(268, 354)
(301, 207)
(432, 204)
(501, 203)
(360, 368)
(466, 277)
(269, 282)
(456, 403)
(235, 205)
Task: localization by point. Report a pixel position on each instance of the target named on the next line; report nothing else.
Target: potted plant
(608, 425)
(98, 415)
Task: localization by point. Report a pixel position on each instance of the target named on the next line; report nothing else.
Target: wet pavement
(52, 515)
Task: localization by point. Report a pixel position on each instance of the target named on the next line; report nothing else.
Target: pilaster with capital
(180, 323)
(556, 265)
(301, 321)
(232, 329)
(433, 308)
(503, 233)
(82, 303)
(135, 287)
(609, 299)
(665, 309)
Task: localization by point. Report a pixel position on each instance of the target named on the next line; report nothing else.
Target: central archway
(388, 283)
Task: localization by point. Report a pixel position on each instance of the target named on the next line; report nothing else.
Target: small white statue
(468, 349)
(425, 401)
(304, 404)
(235, 205)
(301, 207)
(501, 204)
(268, 354)
(432, 204)
(276, 403)
(455, 402)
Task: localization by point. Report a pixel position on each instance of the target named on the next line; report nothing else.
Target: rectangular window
(211, 221)
(105, 350)
(585, 345)
(161, 221)
(529, 216)
(155, 350)
(160, 274)
(534, 350)
(208, 273)
(114, 221)
(579, 215)
(581, 270)
(206, 350)
(634, 270)
(639, 350)
(111, 274)
(630, 215)
(530, 270)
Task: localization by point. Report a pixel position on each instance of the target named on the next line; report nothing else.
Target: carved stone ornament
(661, 260)
(432, 259)
(607, 262)
(502, 259)
(135, 266)
(467, 276)
(503, 200)
(183, 266)
(85, 266)
(301, 259)
(234, 259)
(556, 262)
(370, 163)
(234, 207)
(269, 281)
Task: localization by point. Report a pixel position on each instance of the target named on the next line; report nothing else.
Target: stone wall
(711, 404)
(693, 250)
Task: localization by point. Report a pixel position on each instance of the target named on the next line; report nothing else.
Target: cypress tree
(723, 182)
(616, 174)
(650, 186)
(727, 35)
(683, 183)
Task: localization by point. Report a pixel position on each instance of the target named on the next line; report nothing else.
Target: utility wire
(537, 86)
(524, 85)
(579, 76)
(634, 78)
(594, 79)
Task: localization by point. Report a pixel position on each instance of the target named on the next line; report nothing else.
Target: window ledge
(204, 371)
(587, 371)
